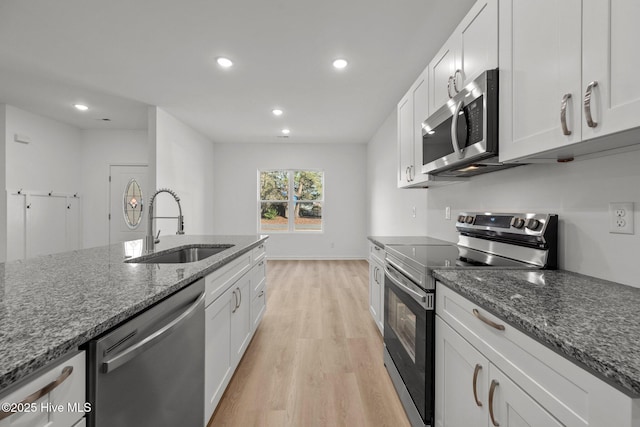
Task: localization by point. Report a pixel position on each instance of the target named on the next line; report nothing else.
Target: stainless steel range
(505, 240)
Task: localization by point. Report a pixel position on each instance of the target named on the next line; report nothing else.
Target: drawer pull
(487, 321)
(476, 371)
(66, 372)
(492, 392)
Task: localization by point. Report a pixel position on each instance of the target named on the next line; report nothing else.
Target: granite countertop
(50, 305)
(592, 322)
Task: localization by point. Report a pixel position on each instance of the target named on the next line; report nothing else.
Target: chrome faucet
(150, 240)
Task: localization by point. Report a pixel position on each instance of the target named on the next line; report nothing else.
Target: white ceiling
(119, 56)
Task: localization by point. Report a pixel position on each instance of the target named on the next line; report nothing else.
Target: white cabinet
(62, 401)
(519, 381)
(412, 111)
(258, 286)
(235, 304)
(469, 51)
(568, 82)
(218, 365)
(376, 284)
(240, 317)
(461, 380)
(472, 392)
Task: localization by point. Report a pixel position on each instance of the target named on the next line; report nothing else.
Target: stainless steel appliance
(460, 139)
(150, 370)
(519, 241)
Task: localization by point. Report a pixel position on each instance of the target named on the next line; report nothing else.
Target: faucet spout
(150, 239)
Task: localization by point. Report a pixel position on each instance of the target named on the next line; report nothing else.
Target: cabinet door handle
(476, 371)
(587, 104)
(492, 391)
(563, 114)
(411, 174)
(449, 87)
(235, 305)
(487, 321)
(240, 293)
(66, 372)
(455, 80)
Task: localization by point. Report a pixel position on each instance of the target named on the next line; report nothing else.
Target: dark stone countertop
(50, 305)
(591, 322)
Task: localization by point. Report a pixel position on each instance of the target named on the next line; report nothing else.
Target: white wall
(50, 161)
(183, 159)
(99, 150)
(579, 192)
(344, 211)
(389, 208)
(3, 176)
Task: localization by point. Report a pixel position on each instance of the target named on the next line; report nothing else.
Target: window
(290, 200)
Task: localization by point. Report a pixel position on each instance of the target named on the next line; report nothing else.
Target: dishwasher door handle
(142, 346)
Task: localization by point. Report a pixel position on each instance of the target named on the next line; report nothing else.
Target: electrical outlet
(447, 212)
(621, 217)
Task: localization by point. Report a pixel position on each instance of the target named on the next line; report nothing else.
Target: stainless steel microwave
(461, 138)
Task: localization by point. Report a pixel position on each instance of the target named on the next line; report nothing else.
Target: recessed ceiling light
(277, 112)
(286, 131)
(224, 62)
(340, 63)
(81, 107)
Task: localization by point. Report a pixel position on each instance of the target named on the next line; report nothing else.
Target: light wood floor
(316, 359)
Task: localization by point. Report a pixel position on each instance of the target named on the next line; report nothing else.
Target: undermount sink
(181, 255)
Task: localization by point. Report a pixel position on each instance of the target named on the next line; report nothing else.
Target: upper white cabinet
(568, 81)
(471, 49)
(412, 111)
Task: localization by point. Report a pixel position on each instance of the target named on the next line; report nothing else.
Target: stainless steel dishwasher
(149, 371)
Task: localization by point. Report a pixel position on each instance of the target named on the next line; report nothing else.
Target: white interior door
(121, 175)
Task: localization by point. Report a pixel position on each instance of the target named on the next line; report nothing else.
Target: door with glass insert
(128, 197)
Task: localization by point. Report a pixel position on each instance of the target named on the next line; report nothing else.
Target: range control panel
(517, 223)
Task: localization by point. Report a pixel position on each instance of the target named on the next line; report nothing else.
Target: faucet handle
(157, 239)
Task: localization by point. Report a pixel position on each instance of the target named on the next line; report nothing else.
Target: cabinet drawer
(259, 278)
(259, 253)
(62, 406)
(573, 395)
(376, 252)
(218, 281)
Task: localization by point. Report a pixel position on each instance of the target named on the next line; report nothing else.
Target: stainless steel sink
(181, 255)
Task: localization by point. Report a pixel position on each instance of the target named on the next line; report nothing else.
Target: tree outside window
(291, 200)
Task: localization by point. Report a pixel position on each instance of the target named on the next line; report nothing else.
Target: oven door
(409, 329)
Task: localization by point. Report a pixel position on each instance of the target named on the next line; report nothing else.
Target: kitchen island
(50, 305)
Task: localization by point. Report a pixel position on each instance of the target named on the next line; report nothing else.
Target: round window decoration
(133, 203)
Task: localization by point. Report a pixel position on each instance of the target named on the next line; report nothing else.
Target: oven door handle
(415, 295)
(400, 269)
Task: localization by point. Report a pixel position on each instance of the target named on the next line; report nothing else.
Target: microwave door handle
(454, 131)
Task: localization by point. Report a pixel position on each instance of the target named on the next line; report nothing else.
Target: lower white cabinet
(472, 392)
(232, 317)
(489, 374)
(376, 284)
(61, 406)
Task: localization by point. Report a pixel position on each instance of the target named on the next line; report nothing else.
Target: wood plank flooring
(316, 359)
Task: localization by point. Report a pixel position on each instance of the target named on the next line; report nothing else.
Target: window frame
(291, 202)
